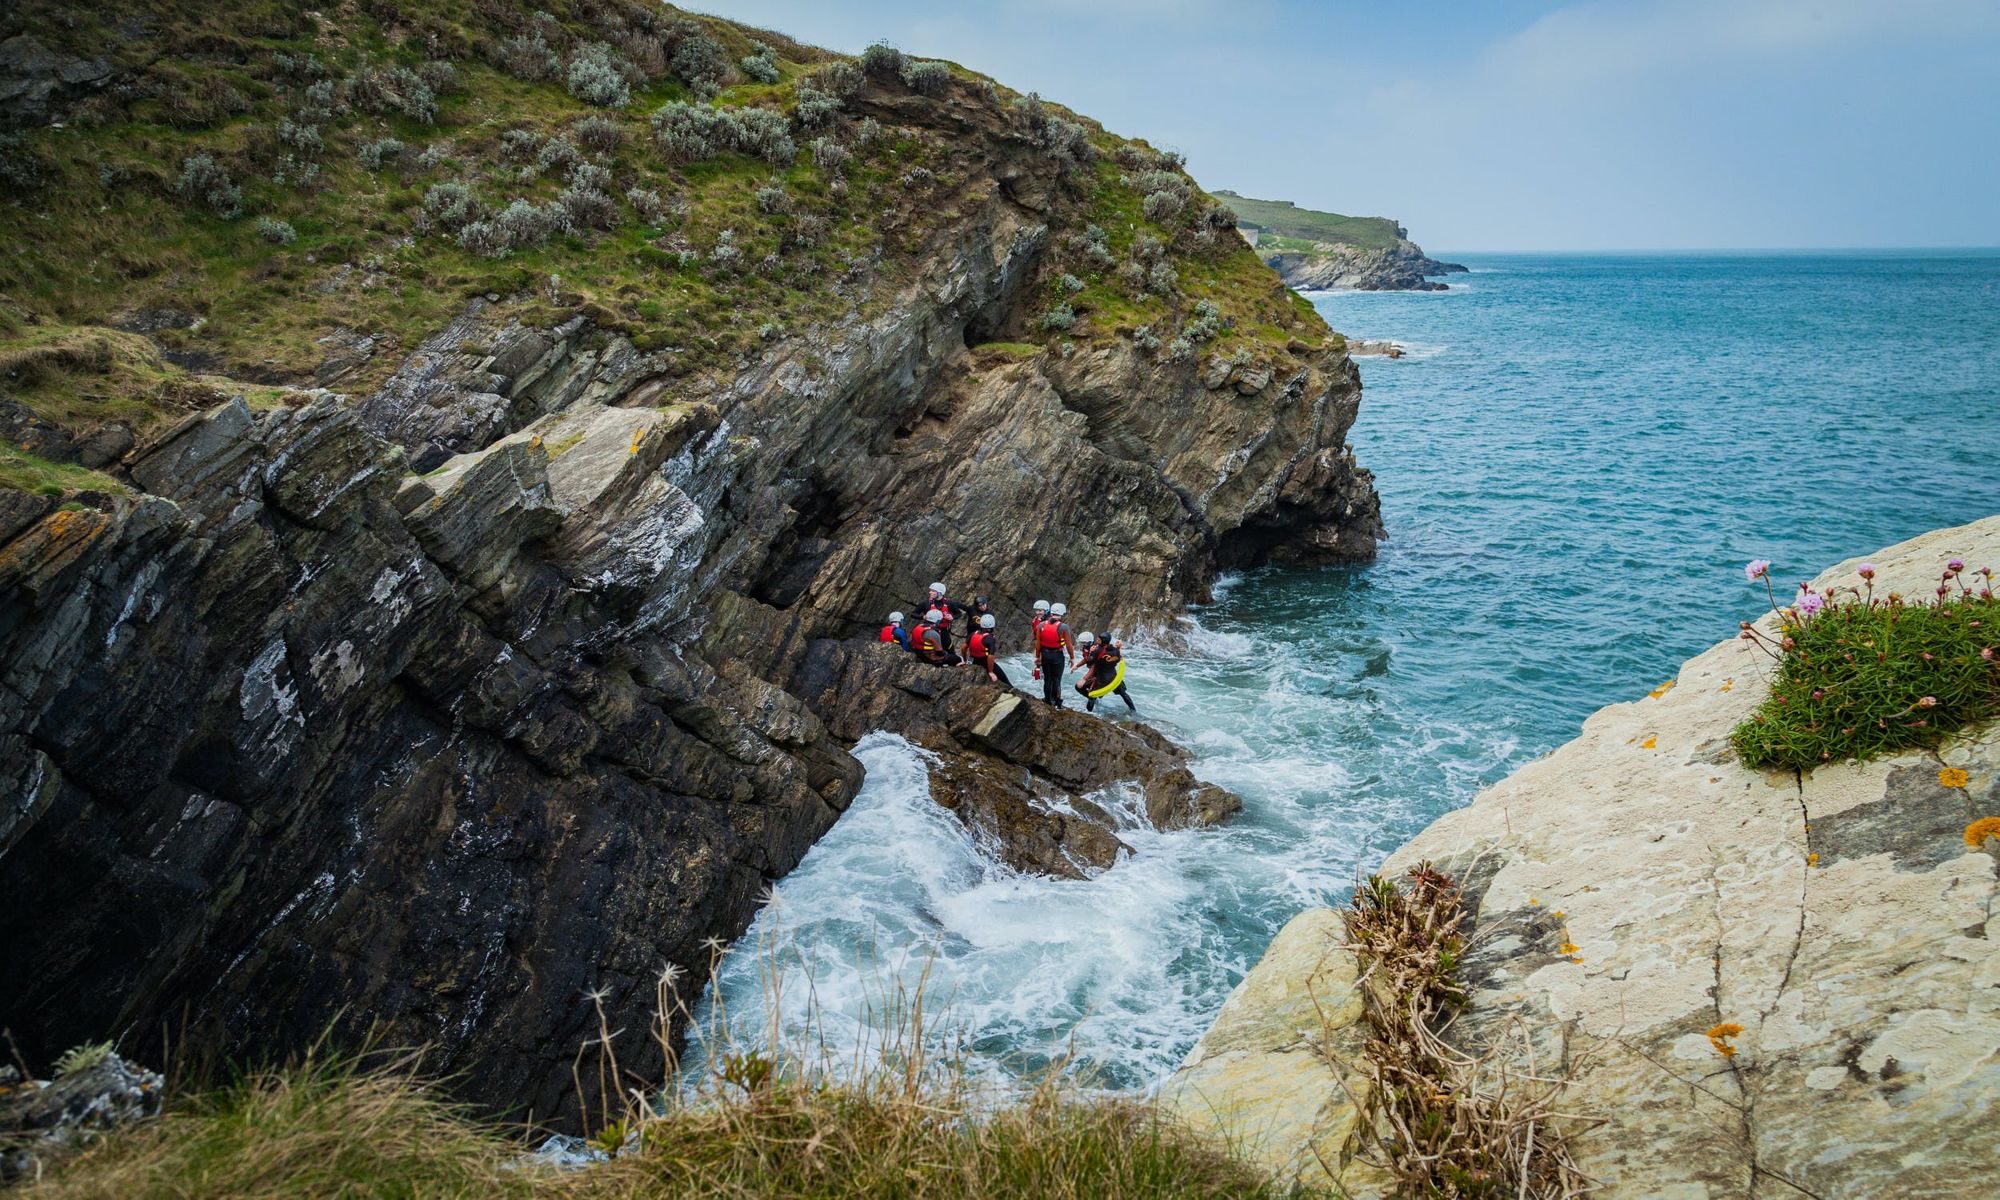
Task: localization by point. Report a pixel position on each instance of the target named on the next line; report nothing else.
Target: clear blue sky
(1518, 125)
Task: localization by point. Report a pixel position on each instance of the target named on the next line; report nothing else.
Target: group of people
(1057, 650)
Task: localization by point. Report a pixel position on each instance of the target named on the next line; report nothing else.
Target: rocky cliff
(1638, 888)
(489, 652)
(1315, 251)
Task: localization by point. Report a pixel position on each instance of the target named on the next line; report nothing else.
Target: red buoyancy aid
(888, 634)
(980, 647)
(926, 639)
(1049, 635)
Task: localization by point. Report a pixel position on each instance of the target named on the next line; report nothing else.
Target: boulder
(1838, 919)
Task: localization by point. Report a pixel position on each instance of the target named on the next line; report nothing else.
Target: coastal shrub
(688, 132)
(319, 103)
(1145, 339)
(925, 77)
(1203, 323)
(701, 63)
(520, 143)
(519, 226)
(596, 77)
(771, 199)
(1068, 143)
(647, 203)
(1163, 207)
(1061, 317)
(761, 64)
(392, 90)
(450, 206)
(726, 253)
(587, 207)
(589, 175)
(1180, 349)
(839, 78)
(529, 58)
(439, 76)
(814, 109)
(868, 132)
(601, 134)
(1070, 283)
(762, 133)
(882, 59)
(278, 233)
(379, 153)
(1163, 279)
(203, 181)
(295, 171)
(1861, 675)
(919, 177)
(1093, 243)
(301, 137)
(829, 156)
(558, 154)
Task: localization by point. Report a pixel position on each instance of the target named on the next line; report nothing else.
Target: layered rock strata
(522, 677)
(1839, 919)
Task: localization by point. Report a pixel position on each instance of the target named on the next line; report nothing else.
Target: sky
(1496, 125)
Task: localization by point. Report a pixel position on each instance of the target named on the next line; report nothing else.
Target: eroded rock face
(1840, 919)
(1399, 268)
(525, 675)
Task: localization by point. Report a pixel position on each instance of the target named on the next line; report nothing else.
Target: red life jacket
(1049, 635)
(888, 633)
(926, 639)
(980, 647)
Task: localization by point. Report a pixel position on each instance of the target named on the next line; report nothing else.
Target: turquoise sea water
(1574, 462)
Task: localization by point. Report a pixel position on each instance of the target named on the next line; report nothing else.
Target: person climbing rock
(936, 598)
(1103, 671)
(981, 609)
(983, 651)
(1055, 649)
(894, 631)
(928, 642)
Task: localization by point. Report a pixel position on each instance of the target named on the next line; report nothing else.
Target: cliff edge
(1636, 889)
(1315, 251)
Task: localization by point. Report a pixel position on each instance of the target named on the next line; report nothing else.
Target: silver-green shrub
(204, 181)
(278, 233)
(595, 76)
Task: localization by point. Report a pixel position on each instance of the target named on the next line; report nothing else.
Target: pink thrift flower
(1809, 602)
(1955, 565)
(1867, 571)
(1927, 702)
(1756, 569)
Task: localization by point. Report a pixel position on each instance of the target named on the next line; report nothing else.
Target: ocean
(1575, 460)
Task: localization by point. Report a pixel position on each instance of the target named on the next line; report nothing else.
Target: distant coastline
(1322, 251)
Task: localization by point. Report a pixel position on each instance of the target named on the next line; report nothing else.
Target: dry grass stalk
(1444, 1122)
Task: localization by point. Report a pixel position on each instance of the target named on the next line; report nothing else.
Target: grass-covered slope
(1282, 221)
(276, 196)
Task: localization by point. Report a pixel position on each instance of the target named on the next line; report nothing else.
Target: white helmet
(1058, 610)
(1041, 606)
(895, 618)
(938, 588)
(986, 622)
(1085, 638)
(933, 616)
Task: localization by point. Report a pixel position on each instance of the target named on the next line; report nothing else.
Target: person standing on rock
(895, 633)
(1054, 646)
(928, 642)
(983, 651)
(938, 599)
(1104, 671)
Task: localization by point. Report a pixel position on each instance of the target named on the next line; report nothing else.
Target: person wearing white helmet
(948, 609)
(1103, 671)
(982, 650)
(928, 643)
(1054, 646)
(894, 633)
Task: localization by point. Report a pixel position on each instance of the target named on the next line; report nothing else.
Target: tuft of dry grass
(1444, 1122)
(760, 1121)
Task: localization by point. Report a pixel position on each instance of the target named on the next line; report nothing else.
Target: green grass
(1306, 226)
(1865, 679)
(23, 472)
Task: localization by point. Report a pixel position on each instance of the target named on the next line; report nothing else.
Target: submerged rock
(1636, 890)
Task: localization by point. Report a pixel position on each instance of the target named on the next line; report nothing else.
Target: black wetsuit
(1102, 663)
(1053, 660)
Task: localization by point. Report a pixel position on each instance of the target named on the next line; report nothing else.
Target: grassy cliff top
(1288, 220)
(259, 189)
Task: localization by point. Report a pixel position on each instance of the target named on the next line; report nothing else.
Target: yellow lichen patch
(1557, 915)
(1977, 832)
(1952, 777)
(1567, 948)
(1728, 684)
(1812, 860)
(1662, 690)
(1719, 1036)
(1649, 743)
(1532, 900)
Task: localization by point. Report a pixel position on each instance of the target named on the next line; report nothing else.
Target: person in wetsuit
(1101, 658)
(894, 632)
(935, 598)
(1055, 651)
(982, 651)
(928, 642)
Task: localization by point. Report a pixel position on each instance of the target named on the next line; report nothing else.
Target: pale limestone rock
(1841, 920)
